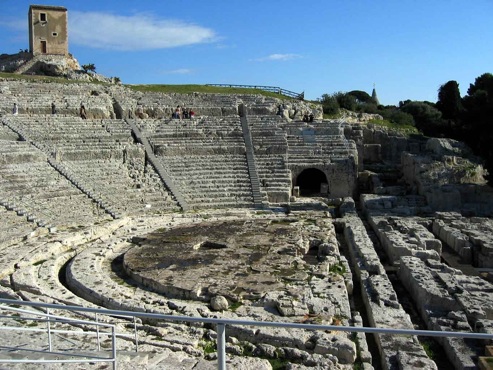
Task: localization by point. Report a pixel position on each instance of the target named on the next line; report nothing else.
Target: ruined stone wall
(449, 178)
(378, 144)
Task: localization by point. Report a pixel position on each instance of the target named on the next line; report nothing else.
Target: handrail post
(97, 331)
(221, 346)
(136, 335)
(113, 338)
(49, 329)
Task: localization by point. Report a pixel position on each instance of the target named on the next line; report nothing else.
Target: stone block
(339, 346)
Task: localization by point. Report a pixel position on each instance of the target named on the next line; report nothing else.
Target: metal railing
(222, 323)
(28, 317)
(274, 89)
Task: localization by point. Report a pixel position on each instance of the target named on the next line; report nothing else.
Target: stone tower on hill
(48, 30)
(374, 96)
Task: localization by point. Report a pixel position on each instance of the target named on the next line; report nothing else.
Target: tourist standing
(15, 110)
(82, 111)
(53, 108)
(177, 112)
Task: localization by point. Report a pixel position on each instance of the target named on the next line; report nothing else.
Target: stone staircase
(26, 66)
(270, 147)
(317, 143)
(258, 200)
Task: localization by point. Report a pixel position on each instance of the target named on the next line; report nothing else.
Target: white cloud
(14, 24)
(136, 32)
(277, 57)
(179, 71)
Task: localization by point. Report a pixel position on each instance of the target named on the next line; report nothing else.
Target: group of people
(308, 117)
(82, 110)
(183, 113)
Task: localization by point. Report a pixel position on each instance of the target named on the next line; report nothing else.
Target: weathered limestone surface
(399, 231)
(470, 237)
(91, 171)
(383, 308)
(377, 144)
(451, 301)
(323, 300)
(449, 176)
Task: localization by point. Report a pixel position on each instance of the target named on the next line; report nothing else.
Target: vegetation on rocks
(467, 118)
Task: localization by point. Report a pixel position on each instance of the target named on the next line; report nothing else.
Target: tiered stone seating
(270, 147)
(211, 181)
(259, 104)
(31, 187)
(160, 105)
(124, 189)
(36, 98)
(205, 158)
(13, 227)
(205, 135)
(317, 142)
(7, 134)
(101, 156)
(74, 133)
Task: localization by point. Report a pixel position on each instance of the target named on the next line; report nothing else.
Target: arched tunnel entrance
(310, 182)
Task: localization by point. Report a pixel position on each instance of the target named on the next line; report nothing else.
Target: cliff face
(47, 64)
(11, 62)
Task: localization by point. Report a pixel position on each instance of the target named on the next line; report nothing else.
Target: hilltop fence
(274, 89)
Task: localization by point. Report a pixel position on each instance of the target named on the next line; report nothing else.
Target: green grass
(332, 116)
(394, 126)
(209, 346)
(278, 364)
(188, 89)
(429, 345)
(339, 269)
(178, 89)
(235, 305)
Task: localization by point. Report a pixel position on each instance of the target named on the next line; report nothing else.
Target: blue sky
(407, 48)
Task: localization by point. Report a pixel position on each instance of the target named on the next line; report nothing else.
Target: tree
(329, 104)
(346, 101)
(396, 116)
(449, 101)
(479, 100)
(361, 96)
(428, 119)
(478, 117)
(89, 67)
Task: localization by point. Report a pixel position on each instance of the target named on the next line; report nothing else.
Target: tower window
(54, 34)
(43, 17)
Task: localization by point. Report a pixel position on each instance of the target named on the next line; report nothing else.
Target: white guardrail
(8, 304)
